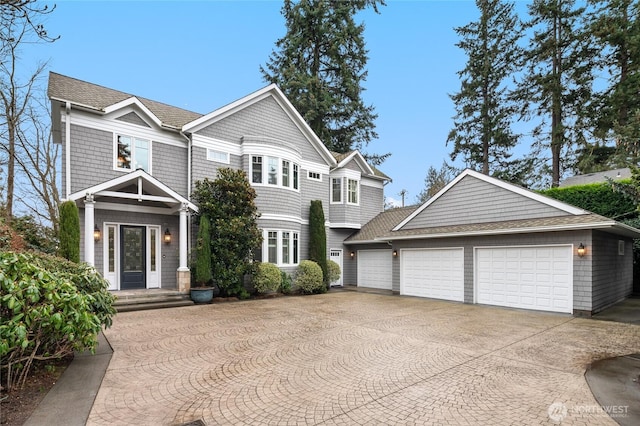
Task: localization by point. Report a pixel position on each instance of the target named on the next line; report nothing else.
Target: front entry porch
(139, 300)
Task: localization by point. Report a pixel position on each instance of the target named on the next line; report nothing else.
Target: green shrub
(285, 286)
(333, 270)
(47, 313)
(599, 198)
(267, 278)
(69, 231)
(318, 237)
(309, 278)
(202, 269)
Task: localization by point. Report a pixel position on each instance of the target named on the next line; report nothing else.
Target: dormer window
(132, 153)
(352, 191)
(336, 190)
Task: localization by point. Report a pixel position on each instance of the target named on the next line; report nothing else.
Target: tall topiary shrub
(69, 231)
(202, 268)
(229, 202)
(318, 238)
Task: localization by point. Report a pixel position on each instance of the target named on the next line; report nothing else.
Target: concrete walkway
(352, 358)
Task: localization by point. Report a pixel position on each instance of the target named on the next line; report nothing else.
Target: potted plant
(202, 291)
(267, 278)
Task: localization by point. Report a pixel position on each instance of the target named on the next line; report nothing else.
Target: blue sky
(203, 55)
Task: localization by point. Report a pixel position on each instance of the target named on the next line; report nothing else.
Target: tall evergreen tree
(615, 26)
(557, 79)
(318, 238)
(482, 126)
(320, 66)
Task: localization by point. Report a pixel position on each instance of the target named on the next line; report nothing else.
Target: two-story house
(130, 164)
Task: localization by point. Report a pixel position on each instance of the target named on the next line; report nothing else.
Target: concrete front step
(138, 300)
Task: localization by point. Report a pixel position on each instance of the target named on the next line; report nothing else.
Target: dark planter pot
(202, 295)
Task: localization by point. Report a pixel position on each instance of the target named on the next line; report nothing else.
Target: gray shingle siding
(203, 168)
(91, 157)
(335, 237)
(612, 273)
(278, 200)
(169, 165)
(489, 202)
(581, 266)
(371, 203)
(265, 117)
(133, 118)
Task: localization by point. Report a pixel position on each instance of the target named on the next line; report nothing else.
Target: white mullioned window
(314, 175)
(275, 171)
(336, 190)
(218, 156)
(352, 191)
(283, 247)
(131, 153)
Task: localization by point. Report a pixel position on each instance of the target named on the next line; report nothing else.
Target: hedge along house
(482, 240)
(130, 164)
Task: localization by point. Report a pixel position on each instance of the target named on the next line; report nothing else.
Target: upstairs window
(314, 176)
(352, 191)
(218, 156)
(256, 169)
(278, 172)
(336, 190)
(132, 153)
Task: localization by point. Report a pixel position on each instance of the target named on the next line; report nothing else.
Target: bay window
(282, 247)
(352, 191)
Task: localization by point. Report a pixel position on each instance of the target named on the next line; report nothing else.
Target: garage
(435, 273)
(374, 269)
(528, 277)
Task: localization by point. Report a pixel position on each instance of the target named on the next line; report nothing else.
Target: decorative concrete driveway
(354, 358)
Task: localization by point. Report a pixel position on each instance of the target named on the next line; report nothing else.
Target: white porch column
(89, 223)
(183, 239)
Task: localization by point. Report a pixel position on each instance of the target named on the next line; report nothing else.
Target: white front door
(115, 268)
(336, 256)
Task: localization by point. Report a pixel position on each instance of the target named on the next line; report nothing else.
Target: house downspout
(189, 162)
(67, 149)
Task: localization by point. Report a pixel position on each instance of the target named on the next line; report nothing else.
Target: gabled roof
(270, 91)
(568, 218)
(597, 177)
(568, 208)
(149, 190)
(102, 99)
(380, 225)
(344, 158)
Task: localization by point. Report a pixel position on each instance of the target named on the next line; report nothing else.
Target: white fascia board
(105, 186)
(76, 104)
(359, 159)
(345, 225)
(577, 227)
(348, 173)
(278, 151)
(134, 101)
(283, 218)
(314, 167)
(367, 181)
(158, 135)
(216, 144)
(497, 182)
(132, 208)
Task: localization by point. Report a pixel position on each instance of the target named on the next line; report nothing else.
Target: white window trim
(331, 200)
(317, 179)
(292, 255)
(211, 152)
(265, 172)
(133, 138)
(357, 203)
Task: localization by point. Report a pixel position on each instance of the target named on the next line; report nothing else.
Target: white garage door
(435, 273)
(535, 277)
(374, 269)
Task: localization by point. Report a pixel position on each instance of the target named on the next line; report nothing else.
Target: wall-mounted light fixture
(96, 233)
(581, 250)
(167, 236)
(395, 253)
(352, 254)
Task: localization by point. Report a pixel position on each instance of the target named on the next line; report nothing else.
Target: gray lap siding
(582, 266)
(612, 273)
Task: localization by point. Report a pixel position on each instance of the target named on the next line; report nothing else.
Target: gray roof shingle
(381, 224)
(97, 97)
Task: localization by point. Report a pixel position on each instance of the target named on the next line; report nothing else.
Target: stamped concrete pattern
(348, 358)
